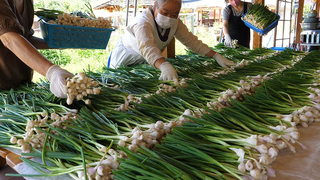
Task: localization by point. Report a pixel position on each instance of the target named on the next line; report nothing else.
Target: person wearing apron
(150, 33)
(233, 27)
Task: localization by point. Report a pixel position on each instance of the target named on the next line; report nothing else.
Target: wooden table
(8, 157)
(2, 162)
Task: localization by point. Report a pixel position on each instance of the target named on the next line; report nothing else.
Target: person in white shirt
(149, 34)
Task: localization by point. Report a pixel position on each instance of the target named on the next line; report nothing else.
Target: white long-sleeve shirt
(142, 44)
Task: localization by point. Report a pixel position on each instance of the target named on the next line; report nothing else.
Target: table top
(304, 164)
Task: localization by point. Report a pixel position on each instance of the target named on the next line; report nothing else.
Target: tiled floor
(8, 170)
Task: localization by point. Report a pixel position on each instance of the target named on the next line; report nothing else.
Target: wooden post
(201, 17)
(198, 17)
(257, 40)
(299, 20)
(317, 6)
(170, 51)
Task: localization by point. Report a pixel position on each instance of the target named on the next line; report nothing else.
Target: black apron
(237, 29)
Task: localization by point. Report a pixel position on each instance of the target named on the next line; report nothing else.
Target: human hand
(222, 61)
(57, 77)
(227, 40)
(168, 72)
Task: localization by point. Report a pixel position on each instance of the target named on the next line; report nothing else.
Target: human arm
(225, 26)
(150, 51)
(13, 36)
(27, 53)
(222, 61)
(147, 44)
(168, 72)
(227, 38)
(192, 42)
(38, 43)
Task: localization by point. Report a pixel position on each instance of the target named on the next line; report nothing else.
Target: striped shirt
(226, 11)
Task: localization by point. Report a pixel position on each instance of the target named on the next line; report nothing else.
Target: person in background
(18, 53)
(233, 26)
(149, 34)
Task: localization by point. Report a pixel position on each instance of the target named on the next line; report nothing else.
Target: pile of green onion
(260, 16)
(137, 128)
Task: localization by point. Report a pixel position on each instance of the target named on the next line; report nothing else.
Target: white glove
(222, 61)
(168, 72)
(57, 77)
(227, 40)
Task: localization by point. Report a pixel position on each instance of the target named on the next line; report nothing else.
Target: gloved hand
(57, 77)
(227, 40)
(168, 72)
(222, 61)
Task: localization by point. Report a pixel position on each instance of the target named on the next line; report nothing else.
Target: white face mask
(164, 21)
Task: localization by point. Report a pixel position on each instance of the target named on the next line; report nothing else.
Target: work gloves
(168, 72)
(57, 77)
(227, 40)
(222, 61)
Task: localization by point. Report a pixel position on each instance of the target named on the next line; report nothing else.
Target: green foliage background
(62, 5)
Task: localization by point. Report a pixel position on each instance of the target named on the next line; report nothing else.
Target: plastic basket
(261, 31)
(62, 36)
(280, 48)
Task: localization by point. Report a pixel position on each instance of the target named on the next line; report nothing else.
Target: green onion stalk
(133, 80)
(215, 159)
(148, 164)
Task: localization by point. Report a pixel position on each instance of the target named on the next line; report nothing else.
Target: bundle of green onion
(48, 14)
(260, 16)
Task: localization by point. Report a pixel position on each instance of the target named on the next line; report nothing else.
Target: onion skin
(242, 167)
(249, 165)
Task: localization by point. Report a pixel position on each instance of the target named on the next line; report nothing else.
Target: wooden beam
(257, 40)
(299, 20)
(170, 51)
